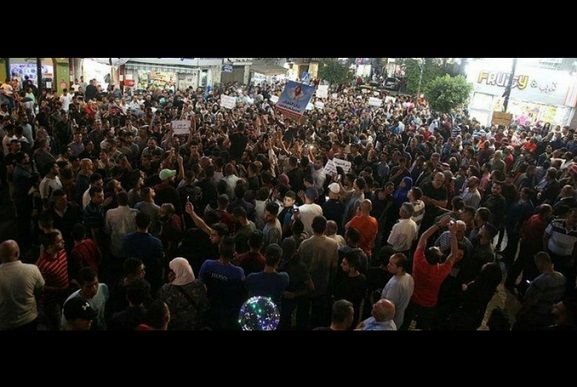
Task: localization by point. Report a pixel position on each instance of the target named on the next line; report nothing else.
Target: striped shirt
(55, 273)
(561, 239)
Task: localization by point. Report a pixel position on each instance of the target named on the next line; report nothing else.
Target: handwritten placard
(227, 101)
(180, 126)
(375, 101)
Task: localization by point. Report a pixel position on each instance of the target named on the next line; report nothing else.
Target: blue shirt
(224, 283)
(371, 324)
(144, 246)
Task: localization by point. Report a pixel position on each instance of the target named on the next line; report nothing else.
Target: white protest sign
(330, 168)
(345, 165)
(323, 91)
(319, 105)
(310, 106)
(390, 99)
(180, 126)
(274, 98)
(227, 101)
(334, 96)
(375, 101)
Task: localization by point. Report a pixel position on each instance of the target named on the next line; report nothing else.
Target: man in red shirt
(429, 272)
(367, 225)
(53, 265)
(84, 253)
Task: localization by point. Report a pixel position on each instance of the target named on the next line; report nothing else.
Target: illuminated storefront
(537, 94)
(172, 73)
(22, 67)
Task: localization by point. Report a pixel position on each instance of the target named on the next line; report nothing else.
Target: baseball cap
(78, 308)
(334, 187)
(166, 173)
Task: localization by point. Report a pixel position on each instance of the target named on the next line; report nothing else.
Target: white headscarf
(182, 270)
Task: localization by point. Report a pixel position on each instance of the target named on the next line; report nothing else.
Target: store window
(22, 67)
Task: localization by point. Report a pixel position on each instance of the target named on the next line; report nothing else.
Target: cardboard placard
(501, 118)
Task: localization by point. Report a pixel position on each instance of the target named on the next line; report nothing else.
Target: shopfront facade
(235, 70)
(171, 73)
(54, 71)
(537, 95)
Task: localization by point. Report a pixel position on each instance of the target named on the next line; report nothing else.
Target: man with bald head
(20, 284)
(367, 225)
(382, 317)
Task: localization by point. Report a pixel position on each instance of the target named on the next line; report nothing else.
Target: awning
(268, 69)
(161, 68)
(106, 61)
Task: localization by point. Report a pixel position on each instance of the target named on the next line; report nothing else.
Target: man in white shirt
(20, 285)
(308, 211)
(404, 232)
(400, 287)
(95, 181)
(66, 100)
(50, 183)
(119, 222)
(75, 86)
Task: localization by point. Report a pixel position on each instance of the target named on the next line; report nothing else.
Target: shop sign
(227, 68)
(529, 84)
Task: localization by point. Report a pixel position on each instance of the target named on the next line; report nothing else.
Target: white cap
(334, 187)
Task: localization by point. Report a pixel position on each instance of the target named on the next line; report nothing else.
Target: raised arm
(454, 244)
(197, 219)
(432, 230)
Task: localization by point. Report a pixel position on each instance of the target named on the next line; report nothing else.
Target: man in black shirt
(238, 141)
(333, 209)
(91, 91)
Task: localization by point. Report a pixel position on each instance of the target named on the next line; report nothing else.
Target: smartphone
(188, 198)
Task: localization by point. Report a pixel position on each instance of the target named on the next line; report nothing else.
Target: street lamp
(507, 93)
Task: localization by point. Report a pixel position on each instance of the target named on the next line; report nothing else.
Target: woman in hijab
(185, 296)
(400, 195)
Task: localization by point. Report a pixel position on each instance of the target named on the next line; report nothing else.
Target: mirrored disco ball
(259, 314)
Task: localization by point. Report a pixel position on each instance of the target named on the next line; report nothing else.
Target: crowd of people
(123, 224)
